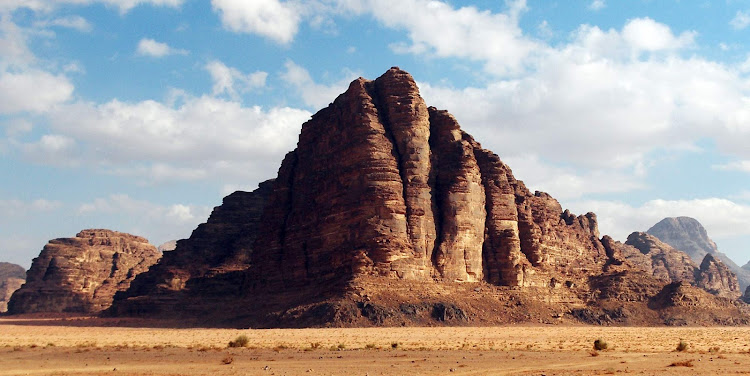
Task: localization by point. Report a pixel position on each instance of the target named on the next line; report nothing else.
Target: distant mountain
(12, 276)
(689, 236)
(167, 246)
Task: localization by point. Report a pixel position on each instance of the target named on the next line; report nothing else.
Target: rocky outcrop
(663, 261)
(689, 236)
(716, 278)
(387, 213)
(669, 264)
(12, 276)
(167, 246)
(82, 274)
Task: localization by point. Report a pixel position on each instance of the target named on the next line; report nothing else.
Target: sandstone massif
(387, 213)
(12, 276)
(689, 236)
(82, 274)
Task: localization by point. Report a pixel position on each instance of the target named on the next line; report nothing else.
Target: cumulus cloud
(230, 81)
(32, 90)
(189, 139)
(314, 94)
(273, 19)
(740, 21)
(150, 47)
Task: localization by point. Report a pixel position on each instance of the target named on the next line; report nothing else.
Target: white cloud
(230, 81)
(722, 218)
(191, 138)
(20, 208)
(150, 47)
(597, 5)
(48, 5)
(313, 94)
(740, 21)
(645, 34)
(32, 90)
(157, 222)
(71, 22)
(273, 19)
(742, 166)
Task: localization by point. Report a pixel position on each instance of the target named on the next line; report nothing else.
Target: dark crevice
(488, 256)
(436, 195)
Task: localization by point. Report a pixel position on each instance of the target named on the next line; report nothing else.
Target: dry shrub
(227, 359)
(240, 341)
(684, 363)
(600, 345)
(682, 346)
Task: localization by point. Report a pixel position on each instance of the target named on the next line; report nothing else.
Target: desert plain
(92, 346)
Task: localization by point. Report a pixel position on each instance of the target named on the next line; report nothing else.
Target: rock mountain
(12, 276)
(689, 236)
(387, 213)
(82, 274)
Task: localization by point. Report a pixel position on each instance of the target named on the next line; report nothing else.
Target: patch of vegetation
(370, 346)
(714, 350)
(280, 347)
(394, 345)
(227, 359)
(240, 341)
(341, 346)
(600, 345)
(682, 346)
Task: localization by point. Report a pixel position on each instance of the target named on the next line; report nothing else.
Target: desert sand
(87, 346)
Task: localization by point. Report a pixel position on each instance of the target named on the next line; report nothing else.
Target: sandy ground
(90, 347)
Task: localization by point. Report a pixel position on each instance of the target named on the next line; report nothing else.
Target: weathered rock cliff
(689, 236)
(82, 274)
(387, 213)
(12, 276)
(669, 264)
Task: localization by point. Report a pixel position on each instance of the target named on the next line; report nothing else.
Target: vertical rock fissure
(436, 202)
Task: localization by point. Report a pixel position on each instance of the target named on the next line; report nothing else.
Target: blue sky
(140, 115)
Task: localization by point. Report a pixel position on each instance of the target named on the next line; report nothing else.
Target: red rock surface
(82, 274)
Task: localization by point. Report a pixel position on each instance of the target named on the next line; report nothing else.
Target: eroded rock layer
(82, 274)
(12, 276)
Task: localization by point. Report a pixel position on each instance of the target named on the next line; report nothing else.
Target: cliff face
(413, 198)
(82, 274)
(387, 213)
(689, 236)
(208, 265)
(12, 276)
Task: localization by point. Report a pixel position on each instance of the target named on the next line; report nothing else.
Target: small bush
(370, 346)
(280, 347)
(227, 360)
(315, 345)
(600, 345)
(394, 345)
(341, 346)
(240, 341)
(714, 350)
(682, 346)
